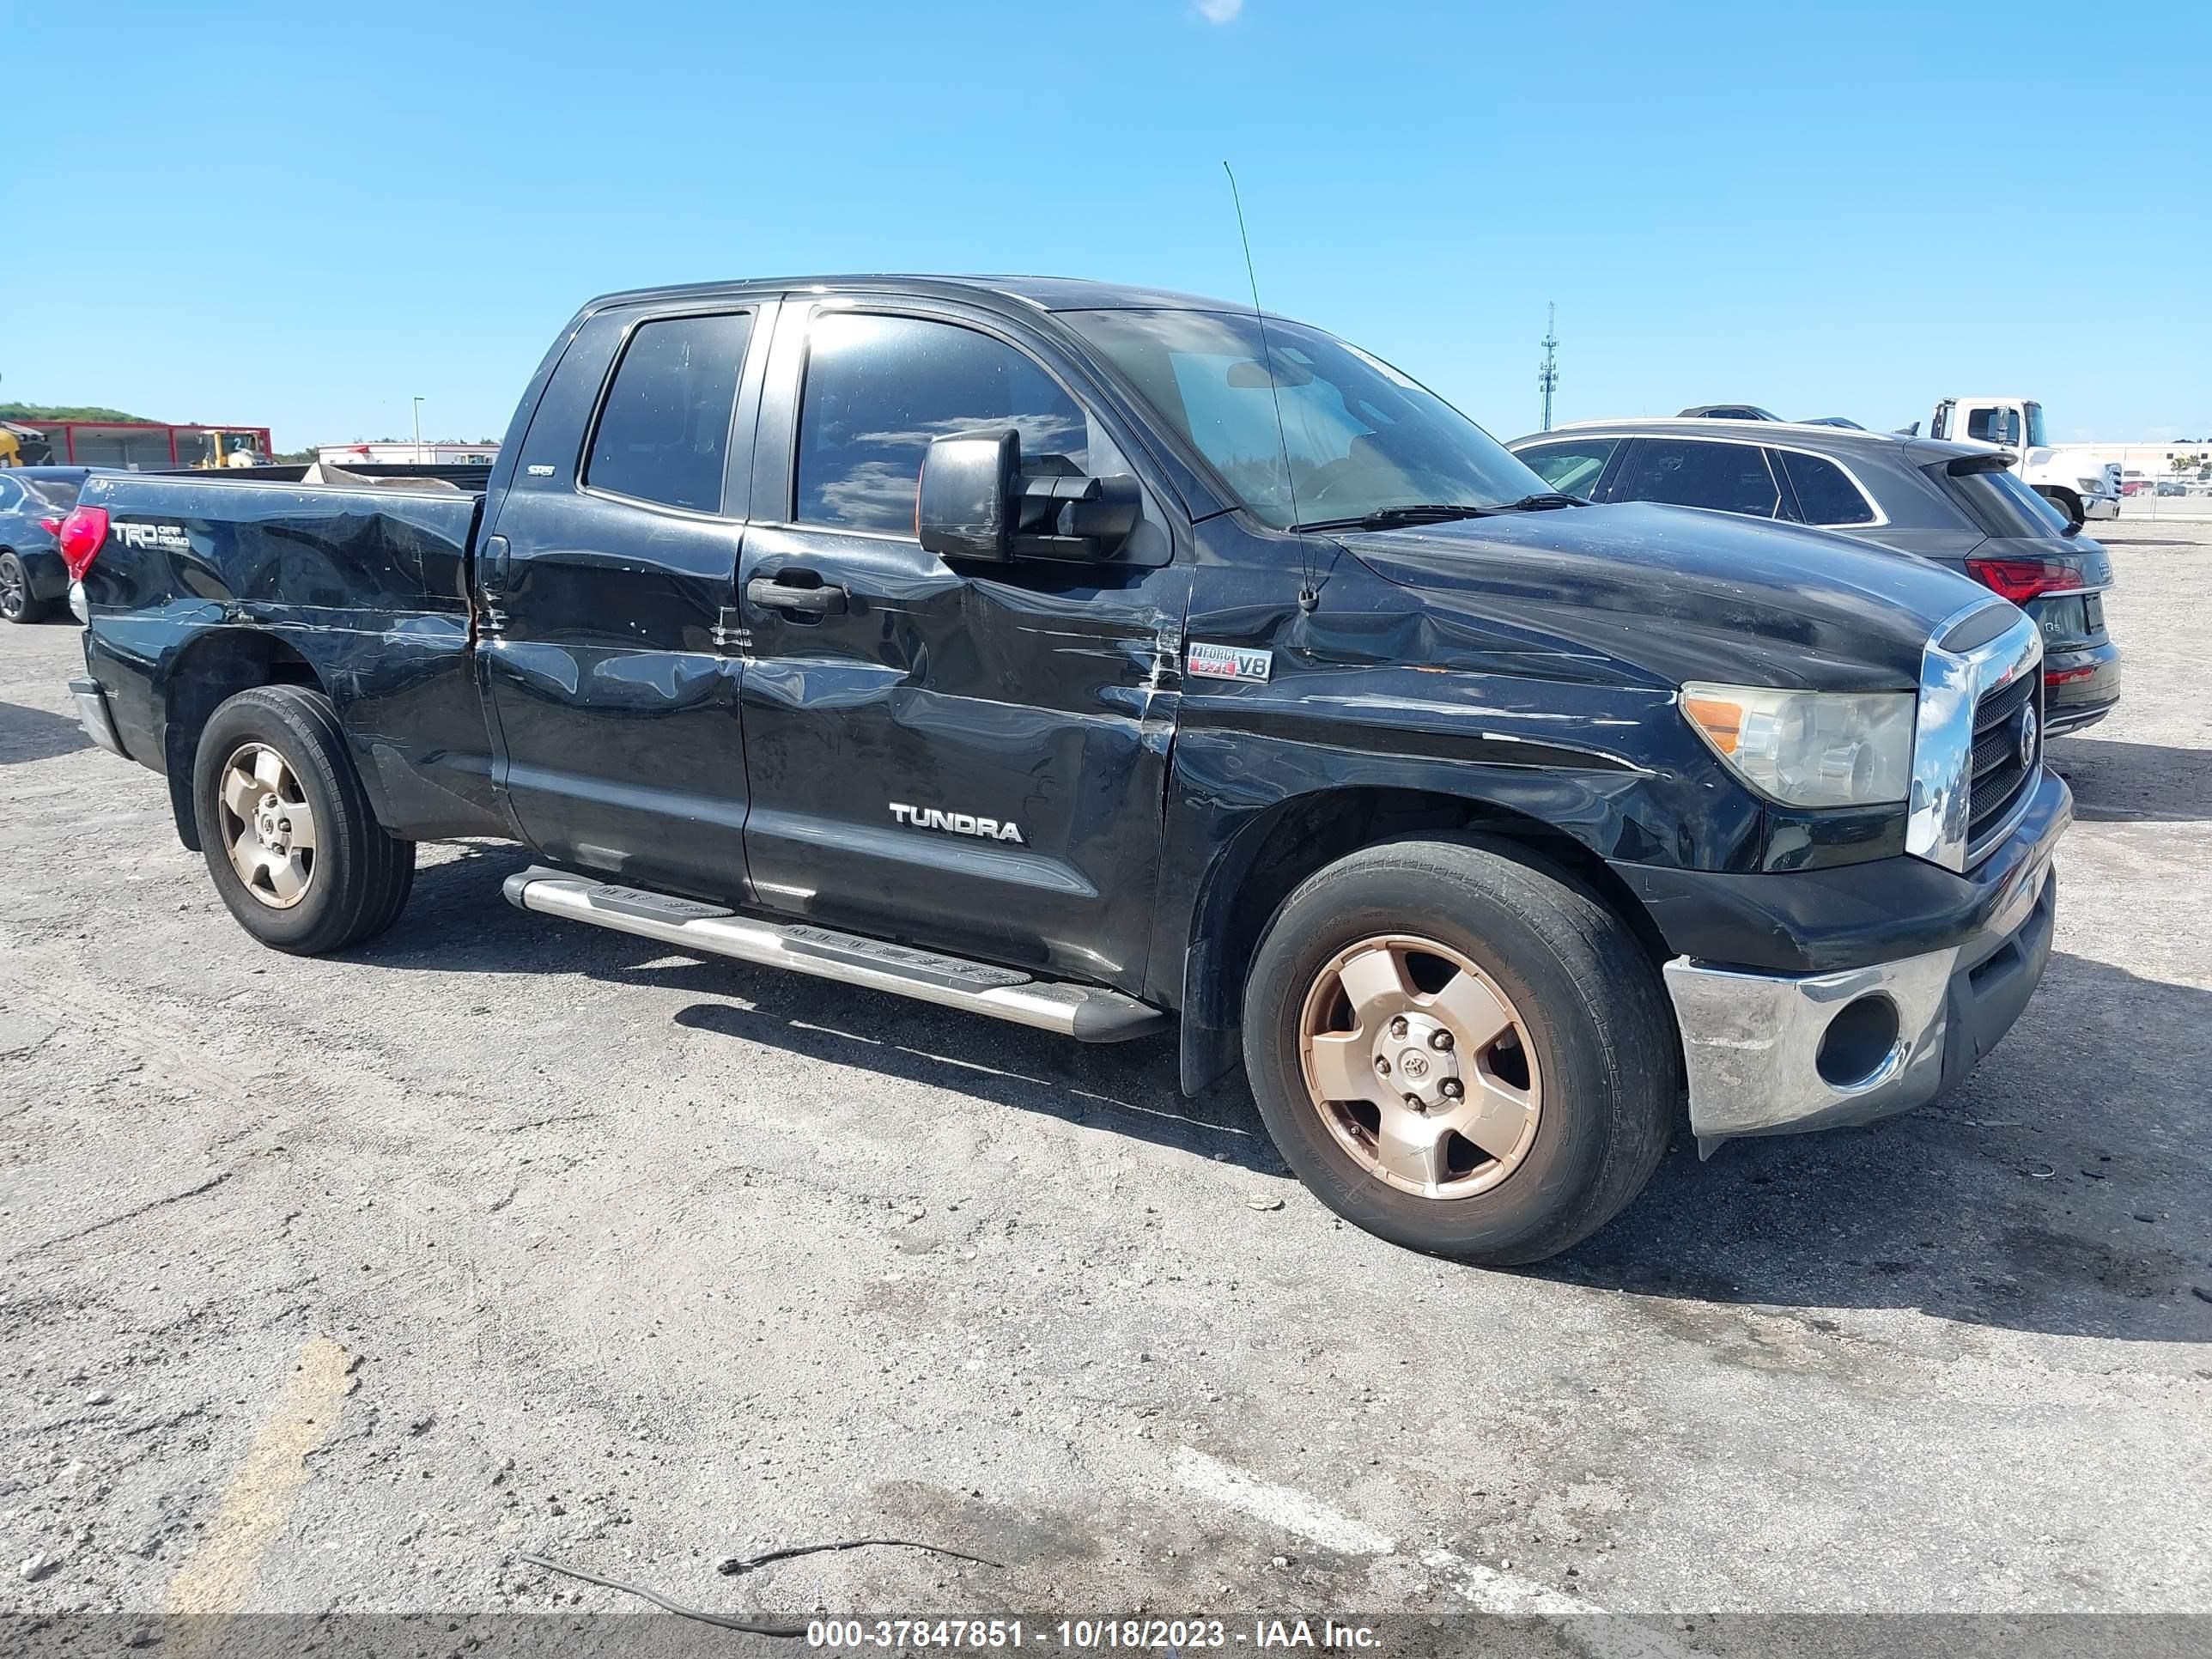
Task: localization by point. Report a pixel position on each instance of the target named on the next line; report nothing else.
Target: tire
(2067, 502)
(18, 604)
(351, 882)
(1590, 1063)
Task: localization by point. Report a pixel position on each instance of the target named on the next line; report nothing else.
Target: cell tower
(1547, 376)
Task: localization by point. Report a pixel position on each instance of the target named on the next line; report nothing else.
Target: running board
(1087, 1013)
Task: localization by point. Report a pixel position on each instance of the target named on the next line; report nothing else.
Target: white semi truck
(2079, 489)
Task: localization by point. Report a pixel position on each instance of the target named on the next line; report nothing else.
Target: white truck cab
(2016, 424)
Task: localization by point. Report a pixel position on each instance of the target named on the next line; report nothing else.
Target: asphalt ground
(338, 1285)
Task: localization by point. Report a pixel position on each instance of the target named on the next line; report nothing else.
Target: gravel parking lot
(337, 1283)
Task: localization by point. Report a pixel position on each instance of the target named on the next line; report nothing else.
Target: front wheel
(2068, 504)
(295, 850)
(1461, 1051)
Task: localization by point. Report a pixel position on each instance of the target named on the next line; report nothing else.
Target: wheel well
(1272, 856)
(211, 670)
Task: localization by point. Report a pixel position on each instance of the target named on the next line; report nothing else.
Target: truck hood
(1682, 595)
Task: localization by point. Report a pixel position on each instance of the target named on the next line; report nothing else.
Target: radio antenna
(1307, 598)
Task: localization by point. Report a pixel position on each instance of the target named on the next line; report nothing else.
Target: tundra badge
(1228, 662)
(960, 823)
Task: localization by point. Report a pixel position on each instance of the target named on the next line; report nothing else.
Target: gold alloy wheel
(268, 827)
(1420, 1066)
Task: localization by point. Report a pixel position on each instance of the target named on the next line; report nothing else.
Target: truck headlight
(1808, 748)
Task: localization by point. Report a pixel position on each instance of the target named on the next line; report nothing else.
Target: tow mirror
(964, 507)
(975, 501)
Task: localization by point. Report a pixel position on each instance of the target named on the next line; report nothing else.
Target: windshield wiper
(1394, 518)
(1397, 517)
(1542, 503)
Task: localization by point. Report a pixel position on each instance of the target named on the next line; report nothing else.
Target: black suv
(1953, 502)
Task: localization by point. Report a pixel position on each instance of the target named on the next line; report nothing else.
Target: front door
(605, 584)
(974, 758)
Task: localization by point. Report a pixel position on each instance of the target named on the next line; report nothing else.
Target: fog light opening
(1858, 1042)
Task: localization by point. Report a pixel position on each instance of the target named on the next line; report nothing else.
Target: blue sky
(302, 215)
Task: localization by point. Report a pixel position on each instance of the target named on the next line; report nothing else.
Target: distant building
(405, 452)
(149, 445)
(2153, 459)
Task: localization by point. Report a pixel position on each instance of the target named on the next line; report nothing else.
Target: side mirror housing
(965, 506)
(975, 502)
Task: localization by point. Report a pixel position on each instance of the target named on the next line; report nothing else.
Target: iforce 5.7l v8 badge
(1228, 662)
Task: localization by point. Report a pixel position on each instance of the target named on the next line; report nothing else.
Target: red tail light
(81, 535)
(2021, 580)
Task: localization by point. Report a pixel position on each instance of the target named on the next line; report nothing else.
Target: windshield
(1363, 438)
(2035, 438)
(2001, 504)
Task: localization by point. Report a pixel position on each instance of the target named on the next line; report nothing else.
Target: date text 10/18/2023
(1090, 1635)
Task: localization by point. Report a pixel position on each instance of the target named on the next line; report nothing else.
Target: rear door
(606, 587)
(974, 758)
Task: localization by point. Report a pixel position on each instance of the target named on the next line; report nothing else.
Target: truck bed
(258, 540)
(206, 579)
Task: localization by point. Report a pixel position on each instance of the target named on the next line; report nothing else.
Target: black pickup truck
(1103, 659)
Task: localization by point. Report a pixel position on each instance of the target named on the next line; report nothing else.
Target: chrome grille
(2001, 775)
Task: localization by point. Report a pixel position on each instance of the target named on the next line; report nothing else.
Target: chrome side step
(1085, 1013)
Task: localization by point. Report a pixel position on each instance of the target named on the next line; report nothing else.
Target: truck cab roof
(1037, 292)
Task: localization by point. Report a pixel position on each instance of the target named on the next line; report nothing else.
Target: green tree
(32, 413)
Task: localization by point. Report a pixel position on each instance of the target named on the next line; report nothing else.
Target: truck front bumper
(1898, 977)
(1775, 1054)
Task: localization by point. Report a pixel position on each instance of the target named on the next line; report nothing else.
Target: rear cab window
(663, 433)
(1571, 466)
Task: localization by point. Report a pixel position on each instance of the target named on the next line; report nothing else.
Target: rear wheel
(17, 602)
(297, 855)
(1461, 1051)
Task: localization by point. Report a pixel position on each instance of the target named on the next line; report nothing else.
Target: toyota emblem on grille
(2027, 734)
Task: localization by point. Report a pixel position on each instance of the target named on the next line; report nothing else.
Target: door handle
(497, 557)
(776, 593)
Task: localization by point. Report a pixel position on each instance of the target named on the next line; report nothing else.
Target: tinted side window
(11, 495)
(1686, 472)
(1570, 466)
(1990, 425)
(1825, 494)
(878, 389)
(664, 432)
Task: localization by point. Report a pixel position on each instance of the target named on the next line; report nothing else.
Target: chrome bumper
(1774, 1054)
(92, 713)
